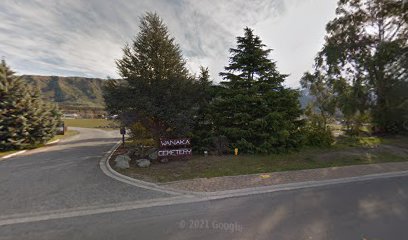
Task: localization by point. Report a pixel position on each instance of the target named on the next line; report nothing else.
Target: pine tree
(254, 110)
(14, 125)
(25, 120)
(203, 128)
(44, 119)
(157, 90)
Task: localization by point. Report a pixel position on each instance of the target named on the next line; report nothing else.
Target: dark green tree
(44, 119)
(364, 59)
(203, 133)
(157, 90)
(25, 120)
(253, 109)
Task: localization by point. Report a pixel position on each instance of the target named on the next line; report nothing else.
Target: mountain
(87, 92)
(69, 91)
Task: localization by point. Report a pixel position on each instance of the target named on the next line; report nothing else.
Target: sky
(84, 37)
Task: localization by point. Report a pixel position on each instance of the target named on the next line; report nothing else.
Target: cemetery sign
(175, 148)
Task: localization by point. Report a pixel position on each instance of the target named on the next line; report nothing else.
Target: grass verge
(369, 151)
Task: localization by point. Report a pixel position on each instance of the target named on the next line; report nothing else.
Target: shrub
(140, 135)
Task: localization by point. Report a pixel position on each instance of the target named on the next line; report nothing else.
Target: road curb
(109, 171)
(298, 185)
(48, 144)
(167, 201)
(53, 142)
(13, 154)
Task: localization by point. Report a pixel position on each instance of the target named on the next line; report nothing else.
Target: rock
(135, 153)
(153, 155)
(122, 161)
(132, 152)
(151, 150)
(143, 163)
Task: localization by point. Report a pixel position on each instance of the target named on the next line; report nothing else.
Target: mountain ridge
(69, 91)
(86, 92)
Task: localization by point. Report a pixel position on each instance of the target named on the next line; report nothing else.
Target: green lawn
(91, 123)
(215, 166)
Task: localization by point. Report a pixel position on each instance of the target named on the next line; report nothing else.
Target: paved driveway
(64, 176)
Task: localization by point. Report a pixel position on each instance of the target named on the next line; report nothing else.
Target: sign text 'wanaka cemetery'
(175, 148)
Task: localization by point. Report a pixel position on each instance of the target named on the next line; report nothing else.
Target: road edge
(110, 172)
(13, 154)
(149, 203)
(48, 144)
(24, 151)
(300, 185)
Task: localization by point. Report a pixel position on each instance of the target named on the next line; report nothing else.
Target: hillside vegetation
(84, 92)
(69, 91)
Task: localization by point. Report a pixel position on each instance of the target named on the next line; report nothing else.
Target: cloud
(84, 37)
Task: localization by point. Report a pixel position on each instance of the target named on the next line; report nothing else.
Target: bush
(140, 135)
(317, 136)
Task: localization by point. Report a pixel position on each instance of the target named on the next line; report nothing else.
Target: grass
(91, 123)
(344, 142)
(399, 141)
(362, 151)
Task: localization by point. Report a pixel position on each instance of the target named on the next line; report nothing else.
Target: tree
(319, 112)
(203, 133)
(253, 109)
(25, 120)
(324, 100)
(364, 58)
(157, 90)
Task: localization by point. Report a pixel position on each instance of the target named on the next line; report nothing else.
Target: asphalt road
(64, 176)
(369, 210)
(372, 210)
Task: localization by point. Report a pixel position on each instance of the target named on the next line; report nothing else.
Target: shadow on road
(89, 140)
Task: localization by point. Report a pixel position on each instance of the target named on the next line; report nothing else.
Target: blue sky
(84, 37)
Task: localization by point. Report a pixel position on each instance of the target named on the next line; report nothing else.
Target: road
(371, 210)
(64, 176)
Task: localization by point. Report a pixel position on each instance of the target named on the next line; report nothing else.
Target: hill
(69, 91)
(86, 92)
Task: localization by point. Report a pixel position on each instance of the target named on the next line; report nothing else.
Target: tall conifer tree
(254, 110)
(25, 120)
(158, 91)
